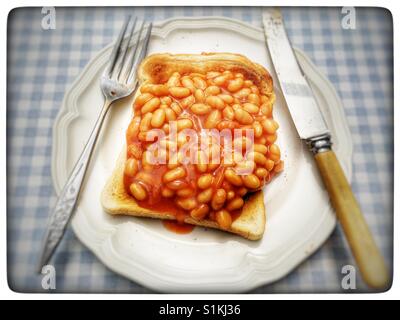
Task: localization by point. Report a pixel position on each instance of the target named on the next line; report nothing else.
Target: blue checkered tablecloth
(42, 64)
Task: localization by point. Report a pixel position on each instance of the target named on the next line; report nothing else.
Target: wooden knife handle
(359, 237)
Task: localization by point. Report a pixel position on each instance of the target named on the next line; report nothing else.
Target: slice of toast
(157, 69)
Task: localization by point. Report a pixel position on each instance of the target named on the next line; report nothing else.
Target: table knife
(312, 128)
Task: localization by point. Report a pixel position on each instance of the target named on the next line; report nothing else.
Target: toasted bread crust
(158, 68)
(115, 200)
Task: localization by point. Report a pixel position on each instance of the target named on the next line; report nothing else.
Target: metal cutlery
(312, 128)
(118, 81)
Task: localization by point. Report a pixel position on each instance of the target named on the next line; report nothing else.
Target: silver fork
(118, 81)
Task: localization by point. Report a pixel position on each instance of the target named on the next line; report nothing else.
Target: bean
(212, 120)
(200, 108)
(133, 128)
(270, 126)
(205, 181)
(236, 106)
(200, 212)
(255, 89)
(266, 109)
(264, 99)
(228, 74)
(248, 83)
(199, 96)
(226, 97)
(145, 123)
(235, 204)
(258, 158)
(155, 89)
(174, 80)
(131, 167)
(242, 192)
(269, 164)
(251, 181)
(138, 191)
(274, 149)
(261, 173)
(166, 128)
(220, 80)
(167, 192)
(202, 161)
(258, 129)
(166, 100)
(142, 99)
(185, 192)
(199, 83)
(245, 167)
(218, 199)
(262, 140)
(233, 178)
(151, 105)
(174, 174)
(254, 99)
(230, 195)
(170, 114)
(235, 85)
(158, 118)
(182, 139)
(179, 92)
(250, 108)
(205, 196)
(260, 148)
(223, 219)
(188, 83)
(271, 138)
(227, 124)
(243, 117)
(177, 184)
(177, 109)
(212, 90)
(215, 102)
(188, 101)
(228, 113)
(274, 152)
(184, 124)
(242, 93)
(187, 203)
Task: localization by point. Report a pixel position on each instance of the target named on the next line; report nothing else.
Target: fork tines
(126, 57)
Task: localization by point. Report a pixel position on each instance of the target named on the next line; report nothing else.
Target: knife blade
(306, 114)
(312, 128)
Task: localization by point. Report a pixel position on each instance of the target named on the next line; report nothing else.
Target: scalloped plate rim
(69, 111)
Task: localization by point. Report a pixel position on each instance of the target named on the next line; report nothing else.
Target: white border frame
(6, 293)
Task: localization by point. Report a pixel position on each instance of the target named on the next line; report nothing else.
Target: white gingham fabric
(42, 64)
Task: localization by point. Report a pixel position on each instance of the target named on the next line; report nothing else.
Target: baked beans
(206, 189)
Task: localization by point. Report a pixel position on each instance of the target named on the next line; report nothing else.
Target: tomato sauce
(151, 180)
(178, 227)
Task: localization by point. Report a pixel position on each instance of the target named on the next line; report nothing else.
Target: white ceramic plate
(299, 217)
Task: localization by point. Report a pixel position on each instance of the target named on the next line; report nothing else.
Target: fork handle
(67, 200)
(359, 237)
